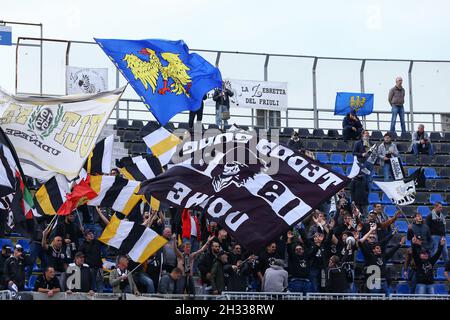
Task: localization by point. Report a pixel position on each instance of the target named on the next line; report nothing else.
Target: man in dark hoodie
(424, 267)
(420, 229)
(374, 256)
(14, 270)
(351, 126)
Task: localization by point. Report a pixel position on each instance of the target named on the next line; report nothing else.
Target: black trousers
(192, 114)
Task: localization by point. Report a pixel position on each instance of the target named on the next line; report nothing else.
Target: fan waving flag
(132, 239)
(164, 74)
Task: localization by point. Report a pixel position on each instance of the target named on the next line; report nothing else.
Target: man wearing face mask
(386, 151)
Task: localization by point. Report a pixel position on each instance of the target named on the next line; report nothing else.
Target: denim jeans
(37, 251)
(315, 278)
(436, 240)
(424, 288)
(299, 285)
(219, 111)
(400, 110)
(417, 147)
(144, 280)
(369, 166)
(97, 279)
(387, 172)
(383, 289)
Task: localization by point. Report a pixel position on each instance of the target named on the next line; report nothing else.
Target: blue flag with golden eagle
(348, 101)
(164, 74)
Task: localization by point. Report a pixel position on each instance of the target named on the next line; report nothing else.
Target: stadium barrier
(230, 295)
(419, 297)
(345, 296)
(7, 295)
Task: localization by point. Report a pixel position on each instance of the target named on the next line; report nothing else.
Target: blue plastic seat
(375, 187)
(374, 197)
(403, 288)
(390, 210)
(25, 244)
(440, 274)
(447, 238)
(349, 158)
(7, 242)
(385, 199)
(322, 157)
(430, 173)
(411, 171)
(338, 169)
(31, 282)
(337, 158)
(402, 226)
(437, 197)
(424, 210)
(440, 288)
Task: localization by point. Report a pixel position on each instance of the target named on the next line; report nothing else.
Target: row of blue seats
(339, 158)
(374, 197)
(430, 173)
(29, 286)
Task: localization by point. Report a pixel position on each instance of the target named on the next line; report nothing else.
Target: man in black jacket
(299, 266)
(351, 126)
(337, 281)
(222, 99)
(295, 143)
(14, 270)
(420, 229)
(207, 261)
(424, 267)
(92, 249)
(47, 283)
(359, 190)
(82, 273)
(436, 222)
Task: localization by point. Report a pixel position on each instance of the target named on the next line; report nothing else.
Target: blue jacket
(358, 150)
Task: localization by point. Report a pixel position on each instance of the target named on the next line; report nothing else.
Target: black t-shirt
(56, 259)
(43, 283)
(265, 260)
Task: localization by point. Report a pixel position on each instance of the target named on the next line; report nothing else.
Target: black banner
(255, 189)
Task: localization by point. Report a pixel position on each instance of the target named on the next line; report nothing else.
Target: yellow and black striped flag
(133, 239)
(49, 198)
(146, 168)
(99, 160)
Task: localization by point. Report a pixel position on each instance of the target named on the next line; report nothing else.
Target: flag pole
(403, 213)
(135, 268)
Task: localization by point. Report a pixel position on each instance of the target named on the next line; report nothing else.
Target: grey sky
(411, 29)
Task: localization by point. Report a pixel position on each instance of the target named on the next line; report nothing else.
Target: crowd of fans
(317, 255)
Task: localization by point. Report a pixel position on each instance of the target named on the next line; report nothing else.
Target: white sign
(86, 80)
(256, 94)
(55, 135)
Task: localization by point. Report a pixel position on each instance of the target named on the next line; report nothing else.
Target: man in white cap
(396, 99)
(15, 270)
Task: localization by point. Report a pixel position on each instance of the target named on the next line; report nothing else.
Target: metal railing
(316, 115)
(227, 295)
(292, 117)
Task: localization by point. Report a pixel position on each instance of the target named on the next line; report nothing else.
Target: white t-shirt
(193, 227)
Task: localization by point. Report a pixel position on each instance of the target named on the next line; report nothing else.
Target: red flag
(81, 194)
